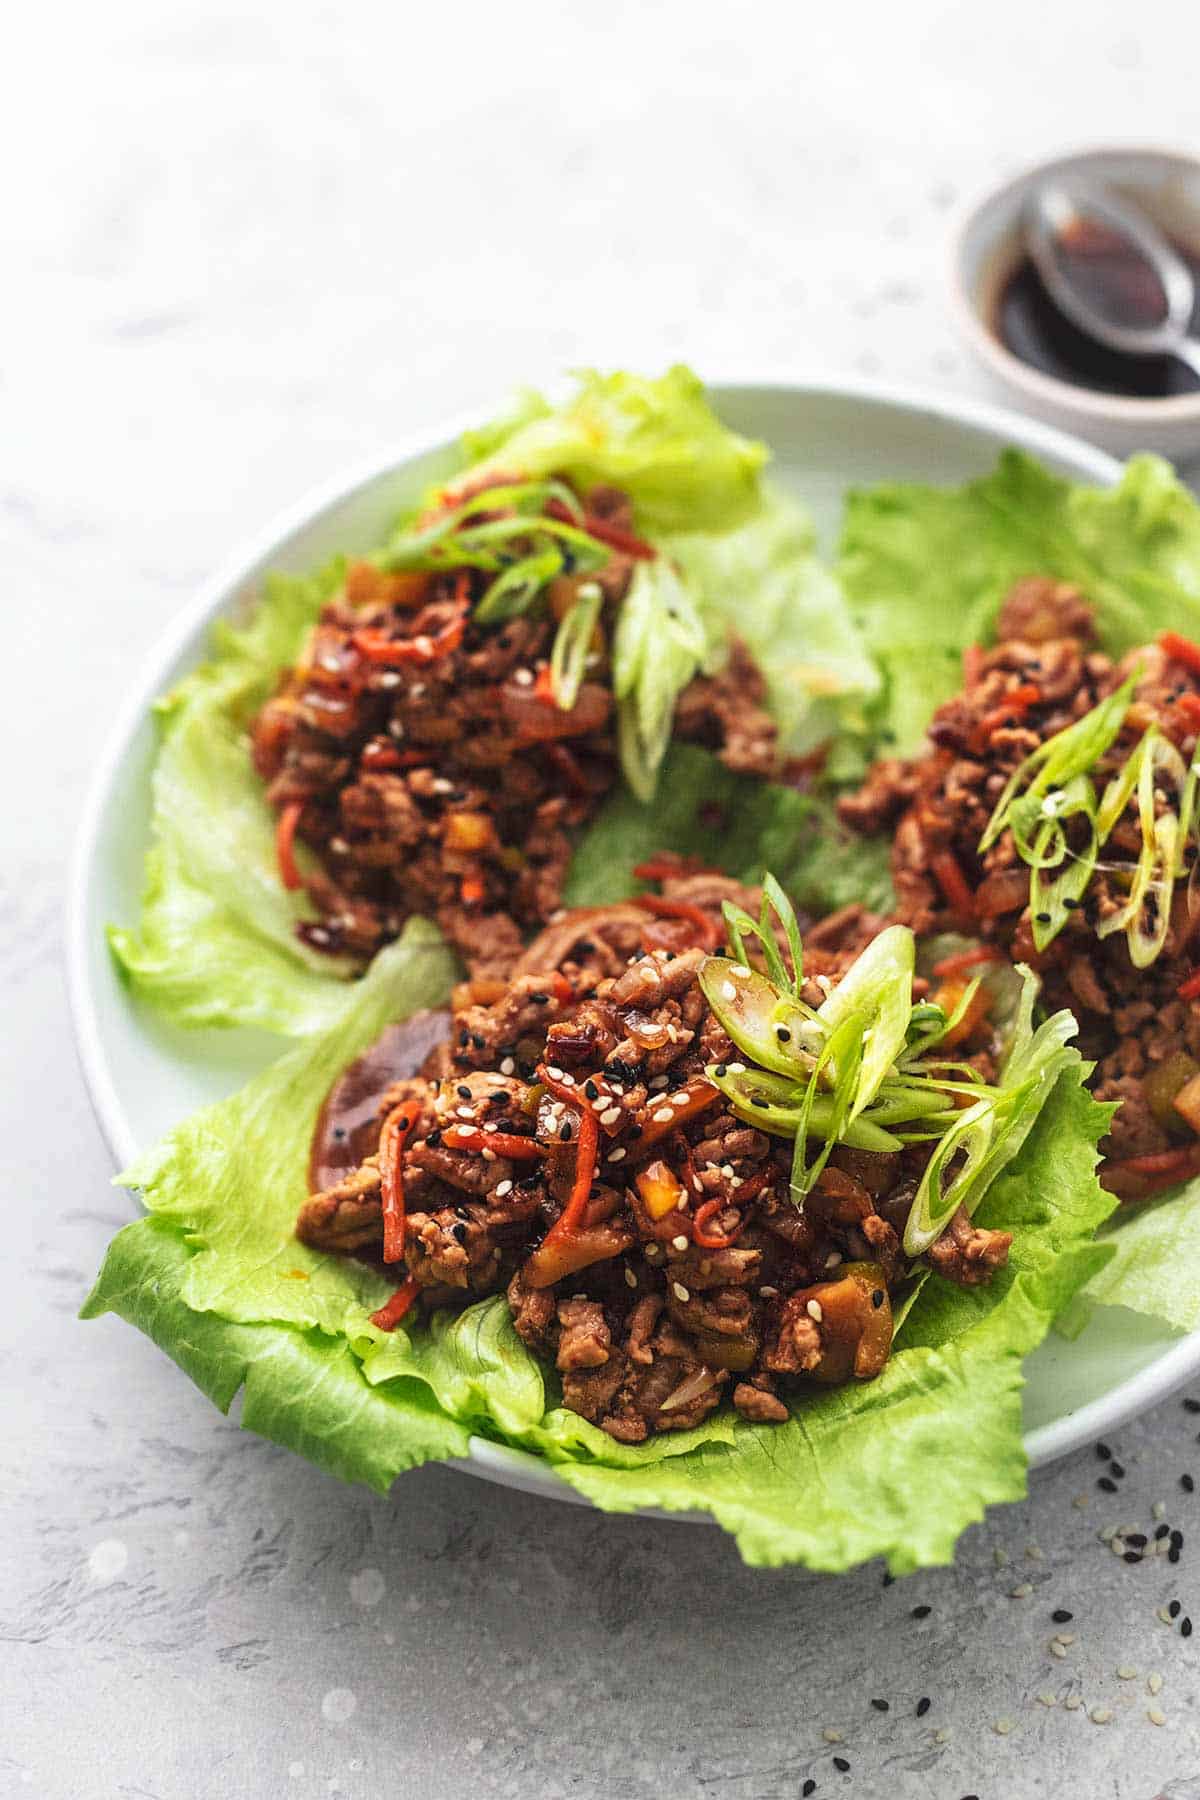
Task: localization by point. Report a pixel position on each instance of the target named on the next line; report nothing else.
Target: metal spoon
(1109, 268)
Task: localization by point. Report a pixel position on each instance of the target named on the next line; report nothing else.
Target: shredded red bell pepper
(379, 754)
(377, 647)
(604, 533)
(392, 1311)
(1189, 706)
(502, 1143)
(285, 844)
(953, 882)
(966, 959)
(587, 1145)
(708, 1240)
(708, 934)
(1190, 989)
(543, 687)
(471, 890)
(392, 1139)
(1180, 650)
(1139, 1177)
(1007, 711)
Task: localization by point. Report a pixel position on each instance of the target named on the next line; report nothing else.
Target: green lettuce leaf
(1153, 1268)
(766, 582)
(925, 569)
(658, 439)
(733, 823)
(214, 1276)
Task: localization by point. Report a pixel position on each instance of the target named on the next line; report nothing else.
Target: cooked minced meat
(423, 760)
(685, 1274)
(1043, 673)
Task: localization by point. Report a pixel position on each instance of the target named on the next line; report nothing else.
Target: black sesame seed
(463, 1091)
(1162, 1531)
(1137, 1540)
(564, 1134)
(591, 1090)
(921, 1612)
(877, 1298)
(810, 1787)
(755, 1101)
(840, 1763)
(1188, 1483)
(881, 1706)
(1177, 1540)
(1043, 918)
(480, 1043)
(339, 1132)
(923, 1705)
(888, 1580)
(1103, 1452)
(1118, 1469)
(1173, 1554)
(1132, 1556)
(464, 1038)
(1174, 1609)
(1185, 1628)
(1192, 1406)
(1107, 1483)
(720, 1070)
(539, 999)
(635, 1131)
(1061, 1616)
(783, 1034)
(434, 1138)
(585, 947)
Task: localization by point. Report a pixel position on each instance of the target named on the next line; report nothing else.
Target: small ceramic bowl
(985, 248)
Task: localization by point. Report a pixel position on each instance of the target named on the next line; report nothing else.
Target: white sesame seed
(831, 1736)
(658, 1082)
(389, 679)
(735, 1068)
(417, 690)
(338, 845)
(768, 1293)
(610, 1115)
(1002, 1727)
(1022, 1591)
(679, 1243)
(1064, 1637)
(999, 1557)
(1081, 1501)
(652, 1253)
(942, 1735)
(813, 1309)
(442, 786)
(663, 1116)
(630, 1278)
(680, 1099)
(728, 991)
(1100, 1715)
(1165, 1616)
(1159, 1510)
(508, 1066)
(680, 1292)
(1154, 1683)
(1126, 1672)
(648, 975)
(1117, 1546)
(1034, 1553)
(1073, 1702)
(833, 1259)
(1108, 1534)
(553, 1073)
(491, 1126)
(488, 1155)
(523, 677)
(1045, 1699)
(1156, 1715)
(502, 1188)
(319, 935)
(1059, 1650)
(463, 1112)
(617, 1155)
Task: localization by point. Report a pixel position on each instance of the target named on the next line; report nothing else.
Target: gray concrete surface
(246, 245)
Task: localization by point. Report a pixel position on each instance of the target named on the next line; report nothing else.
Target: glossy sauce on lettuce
(347, 1128)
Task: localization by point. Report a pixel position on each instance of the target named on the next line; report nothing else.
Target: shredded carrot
(665, 866)
(285, 844)
(501, 1143)
(1007, 711)
(396, 1128)
(1180, 650)
(1138, 1177)
(949, 997)
(709, 1240)
(587, 1145)
(392, 1311)
(1189, 706)
(472, 890)
(1190, 989)
(953, 882)
(543, 687)
(707, 932)
(966, 959)
(377, 647)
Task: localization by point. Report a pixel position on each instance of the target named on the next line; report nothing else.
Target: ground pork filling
(423, 761)
(1142, 1031)
(562, 1145)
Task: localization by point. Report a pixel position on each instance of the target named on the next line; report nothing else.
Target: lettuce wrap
(216, 944)
(214, 1275)
(925, 570)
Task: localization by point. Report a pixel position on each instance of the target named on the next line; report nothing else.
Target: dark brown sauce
(347, 1128)
(1029, 324)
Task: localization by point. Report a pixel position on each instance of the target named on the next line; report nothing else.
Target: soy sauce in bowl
(1029, 324)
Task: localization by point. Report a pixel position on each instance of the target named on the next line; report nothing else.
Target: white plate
(826, 438)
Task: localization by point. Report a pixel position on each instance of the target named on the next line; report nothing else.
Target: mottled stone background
(243, 246)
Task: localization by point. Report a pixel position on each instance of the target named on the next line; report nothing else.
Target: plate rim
(490, 1461)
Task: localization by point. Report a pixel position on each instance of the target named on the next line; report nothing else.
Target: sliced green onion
(774, 1030)
(572, 645)
(1070, 752)
(659, 644)
(515, 590)
(877, 988)
(1146, 915)
(842, 1055)
(1052, 900)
